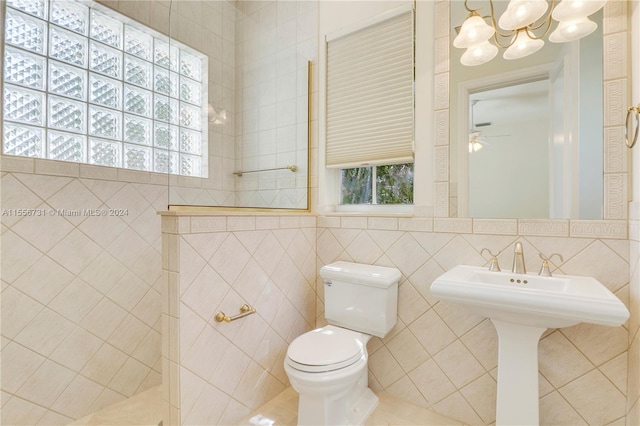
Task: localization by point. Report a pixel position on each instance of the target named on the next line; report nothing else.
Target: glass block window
(88, 85)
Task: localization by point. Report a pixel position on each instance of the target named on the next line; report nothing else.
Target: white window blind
(370, 106)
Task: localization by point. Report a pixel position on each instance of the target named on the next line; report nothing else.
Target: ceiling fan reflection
(476, 139)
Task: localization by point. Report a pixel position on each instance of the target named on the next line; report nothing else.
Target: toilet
(328, 366)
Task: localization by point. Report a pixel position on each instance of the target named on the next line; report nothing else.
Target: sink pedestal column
(517, 374)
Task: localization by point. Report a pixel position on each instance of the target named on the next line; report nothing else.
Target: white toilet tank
(361, 297)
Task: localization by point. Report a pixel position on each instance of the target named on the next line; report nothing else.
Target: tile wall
(274, 42)
(258, 53)
(217, 373)
(633, 383)
(209, 27)
(81, 294)
(441, 357)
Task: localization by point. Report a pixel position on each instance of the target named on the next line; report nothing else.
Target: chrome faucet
(518, 260)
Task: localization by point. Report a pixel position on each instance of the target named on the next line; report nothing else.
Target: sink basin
(522, 307)
(549, 302)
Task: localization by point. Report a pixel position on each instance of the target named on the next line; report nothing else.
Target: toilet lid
(325, 349)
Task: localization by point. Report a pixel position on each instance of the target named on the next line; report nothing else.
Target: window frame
(374, 206)
(334, 174)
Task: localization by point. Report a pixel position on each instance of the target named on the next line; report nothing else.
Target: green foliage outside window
(356, 186)
(393, 185)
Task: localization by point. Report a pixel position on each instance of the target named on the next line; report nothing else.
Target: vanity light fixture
(519, 22)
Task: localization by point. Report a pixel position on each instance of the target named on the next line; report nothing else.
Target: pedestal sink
(522, 307)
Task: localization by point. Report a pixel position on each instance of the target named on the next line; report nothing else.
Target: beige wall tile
(559, 361)
(598, 344)
(406, 349)
(481, 395)
(46, 384)
(595, 398)
(555, 410)
(431, 381)
(456, 407)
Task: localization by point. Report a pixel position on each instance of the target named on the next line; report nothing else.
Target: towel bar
(244, 311)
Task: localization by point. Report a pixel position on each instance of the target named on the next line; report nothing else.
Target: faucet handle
(544, 269)
(493, 266)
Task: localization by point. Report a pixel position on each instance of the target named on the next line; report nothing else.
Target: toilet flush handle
(327, 283)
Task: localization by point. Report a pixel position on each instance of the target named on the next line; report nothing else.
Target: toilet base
(344, 402)
(364, 407)
(350, 410)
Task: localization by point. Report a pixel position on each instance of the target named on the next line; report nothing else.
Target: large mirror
(526, 135)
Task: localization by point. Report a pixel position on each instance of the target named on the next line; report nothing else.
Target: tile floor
(283, 410)
(145, 409)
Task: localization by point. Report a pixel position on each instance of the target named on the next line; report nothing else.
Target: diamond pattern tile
(448, 334)
(137, 72)
(37, 8)
(165, 82)
(67, 80)
(190, 165)
(105, 153)
(137, 101)
(190, 116)
(138, 43)
(126, 65)
(165, 161)
(70, 15)
(25, 31)
(105, 91)
(137, 130)
(190, 91)
(23, 140)
(104, 122)
(67, 114)
(165, 136)
(61, 322)
(106, 29)
(105, 60)
(26, 106)
(165, 55)
(24, 68)
(190, 141)
(165, 109)
(137, 157)
(190, 66)
(68, 47)
(67, 146)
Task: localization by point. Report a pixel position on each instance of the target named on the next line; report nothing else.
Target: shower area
(114, 111)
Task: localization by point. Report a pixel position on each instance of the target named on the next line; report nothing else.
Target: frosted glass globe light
(572, 30)
(473, 31)
(522, 46)
(568, 10)
(521, 13)
(479, 54)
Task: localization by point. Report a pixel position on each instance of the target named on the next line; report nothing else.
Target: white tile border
(186, 223)
(43, 166)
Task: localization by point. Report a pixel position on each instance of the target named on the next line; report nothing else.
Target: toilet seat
(325, 349)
